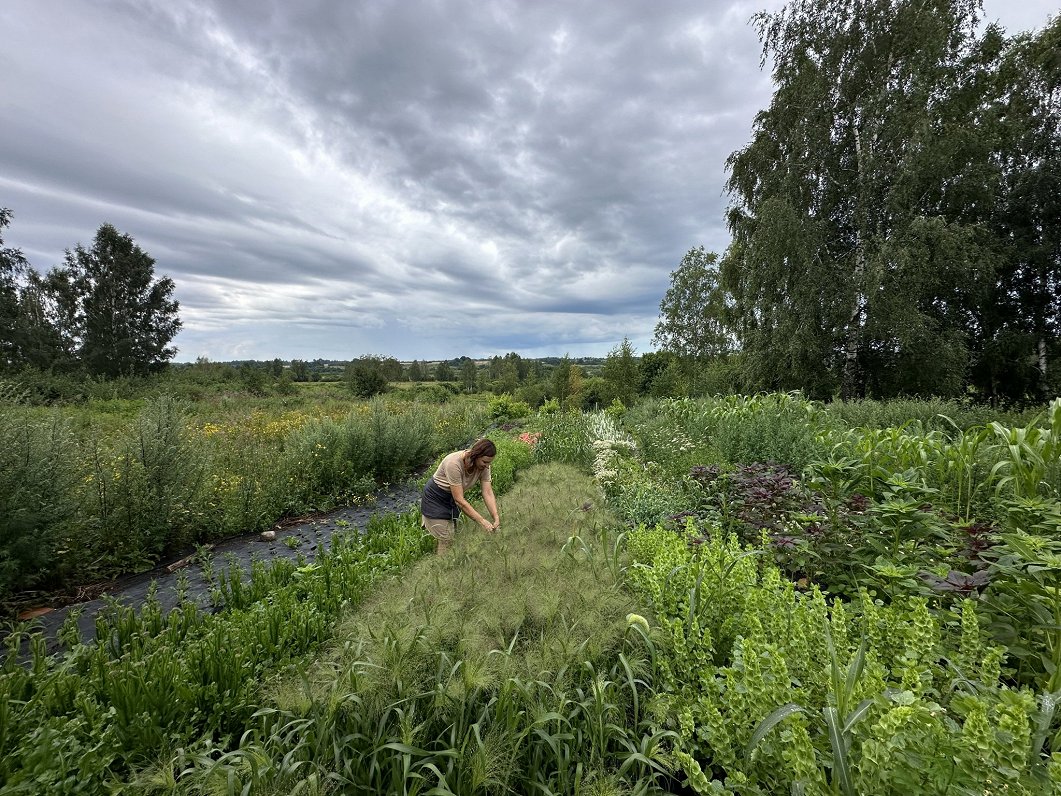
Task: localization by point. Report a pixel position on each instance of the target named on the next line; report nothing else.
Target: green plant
(507, 666)
(37, 477)
(841, 716)
(153, 681)
(1030, 457)
(1025, 594)
(504, 407)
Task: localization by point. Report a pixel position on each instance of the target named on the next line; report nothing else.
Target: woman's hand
(487, 525)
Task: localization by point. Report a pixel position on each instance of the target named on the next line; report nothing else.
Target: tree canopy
(894, 218)
(103, 310)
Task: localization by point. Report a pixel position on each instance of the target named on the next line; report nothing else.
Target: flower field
(740, 595)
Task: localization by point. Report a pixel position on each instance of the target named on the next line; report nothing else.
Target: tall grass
(776, 427)
(506, 666)
(933, 414)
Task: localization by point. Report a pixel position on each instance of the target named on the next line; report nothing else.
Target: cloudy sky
(330, 178)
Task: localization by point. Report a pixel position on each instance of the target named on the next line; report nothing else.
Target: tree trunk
(849, 384)
(1042, 364)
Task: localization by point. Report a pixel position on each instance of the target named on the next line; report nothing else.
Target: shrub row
(77, 507)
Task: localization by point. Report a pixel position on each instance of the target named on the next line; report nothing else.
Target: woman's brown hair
(483, 447)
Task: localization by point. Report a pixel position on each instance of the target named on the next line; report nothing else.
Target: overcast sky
(330, 178)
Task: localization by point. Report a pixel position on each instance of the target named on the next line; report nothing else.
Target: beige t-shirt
(451, 471)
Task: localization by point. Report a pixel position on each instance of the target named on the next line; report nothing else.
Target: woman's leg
(442, 530)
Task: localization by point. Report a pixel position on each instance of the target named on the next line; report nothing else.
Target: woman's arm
(457, 490)
(491, 503)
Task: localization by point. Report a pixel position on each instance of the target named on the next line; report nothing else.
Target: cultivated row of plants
(150, 682)
(933, 663)
(508, 666)
(185, 686)
(79, 503)
(802, 632)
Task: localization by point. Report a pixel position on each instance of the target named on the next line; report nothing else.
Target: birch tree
(832, 178)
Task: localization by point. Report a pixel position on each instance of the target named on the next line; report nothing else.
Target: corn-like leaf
(767, 724)
(838, 742)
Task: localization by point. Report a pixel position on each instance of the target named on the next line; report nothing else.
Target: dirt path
(311, 535)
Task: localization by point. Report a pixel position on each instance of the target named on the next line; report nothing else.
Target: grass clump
(506, 666)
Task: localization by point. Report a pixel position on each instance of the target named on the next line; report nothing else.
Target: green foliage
(622, 373)
(1031, 464)
(549, 407)
(1025, 600)
(152, 682)
(930, 414)
(126, 482)
(512, 456)
(145, 488)
(566, 437)
(505, 407)
(615, 410)
(888, 214)
(469, 375)
(565, 655)
(366, 377)
(37, 479)
(429, 393)
(328, 458)
(443, 371)
(17, 343)
(774, 427)
(505, 666)
(693, 314)
(125, 318)
(253, 378)
(754, 692)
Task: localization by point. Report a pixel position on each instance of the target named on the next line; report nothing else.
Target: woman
(443, 499)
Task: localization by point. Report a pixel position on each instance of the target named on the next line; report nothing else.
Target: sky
(416, 179)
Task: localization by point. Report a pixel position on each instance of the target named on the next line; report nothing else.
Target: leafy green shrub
(37, 479)
(512, 455)
(430, 393)
(504, 407)
(898, 698)
(145, 487)
(532, 394)
(365, 377)
(549, 407)
(615, 410)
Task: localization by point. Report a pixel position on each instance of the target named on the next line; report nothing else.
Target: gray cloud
(419, 179)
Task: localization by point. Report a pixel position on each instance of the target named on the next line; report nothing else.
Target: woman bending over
(443, 499)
